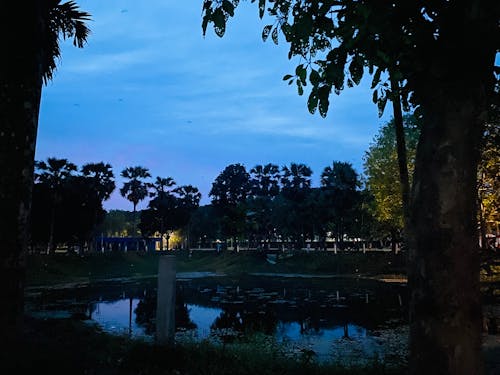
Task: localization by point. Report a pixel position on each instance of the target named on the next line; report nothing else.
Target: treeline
(67, 203)
(268, 203)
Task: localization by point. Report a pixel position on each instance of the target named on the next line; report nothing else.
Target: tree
(229, 192)
(135, 189)
(296, 185)
(101, 178)
(264, 187)
(381, 171)
(339, 184)
(30, 33)
(169, 209)
(489, 178)
(54, 174)
(413, 43)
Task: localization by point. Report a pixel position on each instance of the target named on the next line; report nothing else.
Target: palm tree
(102, 179)
(296, 177)
(160, 186)
(54, 174)
(30, 35)
(135, 189)
(265, 180)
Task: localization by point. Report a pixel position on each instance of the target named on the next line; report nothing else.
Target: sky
(148, 89)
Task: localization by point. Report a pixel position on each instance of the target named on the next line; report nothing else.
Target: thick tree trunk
(20, 90)
(445, 310)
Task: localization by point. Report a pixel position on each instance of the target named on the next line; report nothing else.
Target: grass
(67, 268)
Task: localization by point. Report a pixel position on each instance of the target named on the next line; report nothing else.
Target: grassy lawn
(66, 268)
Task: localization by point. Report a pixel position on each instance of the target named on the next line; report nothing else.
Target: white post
(165, 310)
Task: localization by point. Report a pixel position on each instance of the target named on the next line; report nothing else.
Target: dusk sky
(148, 89)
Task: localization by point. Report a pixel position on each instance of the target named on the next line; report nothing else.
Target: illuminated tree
(381, 171)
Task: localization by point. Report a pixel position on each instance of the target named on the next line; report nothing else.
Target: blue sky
(148, 89)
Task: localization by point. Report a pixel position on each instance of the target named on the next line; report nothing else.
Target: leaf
(266, 31)
(207, 4)
(375, 96)
(381, 105)
(376, 78)
(204, 23)
(262, 8)
(287, 77)
(286, 29)
(219, 21)
(228, 7)
(301, 73)
(314, 77)
(300, 89)
(312, 102)
(324, 103)
(274, 35)
(356, 69)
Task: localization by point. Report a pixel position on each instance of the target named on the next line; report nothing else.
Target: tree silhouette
(229, 192)
(30, 60)
(169, 210)
(339, 184)
(54, 174)
(101, 178)
(135, 189)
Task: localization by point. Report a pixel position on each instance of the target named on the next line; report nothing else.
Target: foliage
(135, 189)
(118, 223)
(382, 173)
(339, 186)
(229, 193)
(489, 175)
(169, 210)
(64, 20)
(73, 203)
(338, 41)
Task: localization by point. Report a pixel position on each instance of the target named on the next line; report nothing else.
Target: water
(347, 320)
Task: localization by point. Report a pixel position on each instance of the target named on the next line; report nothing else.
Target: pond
(349, 320)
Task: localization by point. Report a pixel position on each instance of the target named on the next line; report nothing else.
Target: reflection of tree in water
(247, 321)
(309, 317)
(145, 313)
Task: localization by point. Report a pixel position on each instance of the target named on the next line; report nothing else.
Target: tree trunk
(445, 309)
(402, 158)
(454, 94)
(20, 91)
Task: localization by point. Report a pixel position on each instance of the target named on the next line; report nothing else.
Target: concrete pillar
(165, 310)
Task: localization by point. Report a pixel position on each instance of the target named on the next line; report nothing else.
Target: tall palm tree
(102, 179)
(296, 177)
(29, 35)
(135, 189)
(161, 185)
(265, 180)
(54, 174)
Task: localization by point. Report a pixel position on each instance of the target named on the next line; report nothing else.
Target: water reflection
(332, 318)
